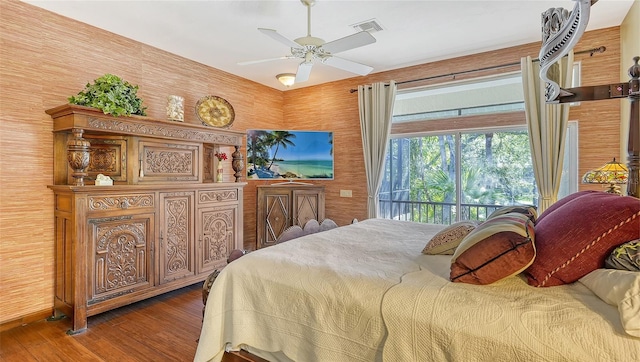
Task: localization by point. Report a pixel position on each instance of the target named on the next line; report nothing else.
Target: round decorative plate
(215, 111)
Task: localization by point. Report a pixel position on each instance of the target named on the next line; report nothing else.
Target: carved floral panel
(168, 161)
(120, 259)
(108, 157)
(176, 234)
(218, 235)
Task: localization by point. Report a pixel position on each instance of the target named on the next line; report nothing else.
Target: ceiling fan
(310, 49)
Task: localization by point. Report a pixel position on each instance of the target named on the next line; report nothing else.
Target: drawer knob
(124, 204)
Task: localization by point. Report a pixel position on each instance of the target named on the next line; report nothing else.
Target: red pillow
(556, 205)
(576, 238)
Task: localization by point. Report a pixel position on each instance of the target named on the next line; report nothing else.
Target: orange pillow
(498, 248)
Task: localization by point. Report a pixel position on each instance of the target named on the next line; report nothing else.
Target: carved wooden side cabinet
(280, 206)
(162, 225)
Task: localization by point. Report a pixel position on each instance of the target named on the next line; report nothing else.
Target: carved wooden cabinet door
(122, 255)
(166, 161)
(279, 207)
(217, 227)
(176, 240)
(274, 215)
(307, 205)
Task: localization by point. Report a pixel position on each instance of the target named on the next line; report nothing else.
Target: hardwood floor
(163, 328)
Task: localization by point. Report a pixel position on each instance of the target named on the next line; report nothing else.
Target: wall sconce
(612, 173)
(287, 79)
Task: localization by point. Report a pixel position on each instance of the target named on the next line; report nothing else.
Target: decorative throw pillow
(292, 232)
(498, 248)
(528, 210)
(556, 205)
(576, 238)
(447, 240)
(620, 288)
(312, 226)
(625, 257)
(327, 224)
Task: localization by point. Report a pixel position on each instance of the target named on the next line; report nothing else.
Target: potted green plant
(111, 95)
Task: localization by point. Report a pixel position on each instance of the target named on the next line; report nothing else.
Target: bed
(365, 292)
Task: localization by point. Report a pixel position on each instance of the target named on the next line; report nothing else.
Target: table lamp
(613, 173)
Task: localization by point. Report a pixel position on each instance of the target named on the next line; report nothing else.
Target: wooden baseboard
(30, 318)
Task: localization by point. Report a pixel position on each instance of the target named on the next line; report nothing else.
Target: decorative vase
(175, 108)
(237, 163)
(219, 172)
(78, 156)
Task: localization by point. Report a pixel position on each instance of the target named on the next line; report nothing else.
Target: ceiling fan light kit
(287, 79)
(311, 49)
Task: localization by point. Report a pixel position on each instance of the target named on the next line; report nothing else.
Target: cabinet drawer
(121, 202)
(168, 161)
(207, 197)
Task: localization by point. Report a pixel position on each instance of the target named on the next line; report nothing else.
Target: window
(480, 96)
(447, 175)
(457, 176)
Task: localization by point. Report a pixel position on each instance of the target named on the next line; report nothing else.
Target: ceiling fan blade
(348, 65)
(275, 35)
(349, 42)
(304, 69)
(265, 60)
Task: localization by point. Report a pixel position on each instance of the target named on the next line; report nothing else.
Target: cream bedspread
(428, 318)
(364, 292)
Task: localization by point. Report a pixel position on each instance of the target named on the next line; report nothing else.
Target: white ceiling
(222, 33)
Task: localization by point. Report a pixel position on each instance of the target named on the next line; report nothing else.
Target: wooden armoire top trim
(91, 120)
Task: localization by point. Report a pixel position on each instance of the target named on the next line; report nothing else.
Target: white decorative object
(102, 180)
(175, 108)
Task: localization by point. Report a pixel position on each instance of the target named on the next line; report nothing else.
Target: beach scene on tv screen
(281, 154)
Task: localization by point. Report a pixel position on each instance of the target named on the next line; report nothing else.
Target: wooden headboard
(561, 31)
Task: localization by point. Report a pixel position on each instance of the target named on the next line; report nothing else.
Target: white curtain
(547, 125)
(376, 108)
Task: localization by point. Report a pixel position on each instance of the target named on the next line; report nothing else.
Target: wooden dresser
(282, 205)
(163, 225)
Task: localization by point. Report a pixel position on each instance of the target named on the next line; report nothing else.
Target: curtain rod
(600, 49)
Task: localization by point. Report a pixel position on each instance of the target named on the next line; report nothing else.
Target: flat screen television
(289, 155)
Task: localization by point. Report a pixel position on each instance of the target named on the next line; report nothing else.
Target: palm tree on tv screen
(258, 148)
(279, 138)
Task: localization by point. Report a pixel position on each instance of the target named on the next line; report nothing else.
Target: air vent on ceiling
(371, 26)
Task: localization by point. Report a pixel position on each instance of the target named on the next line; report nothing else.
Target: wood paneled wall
(44, 58)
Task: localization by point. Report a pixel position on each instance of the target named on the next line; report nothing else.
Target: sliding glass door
(457, 176)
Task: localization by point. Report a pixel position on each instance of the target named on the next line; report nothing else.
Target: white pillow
(447, 240)
(619, 288)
